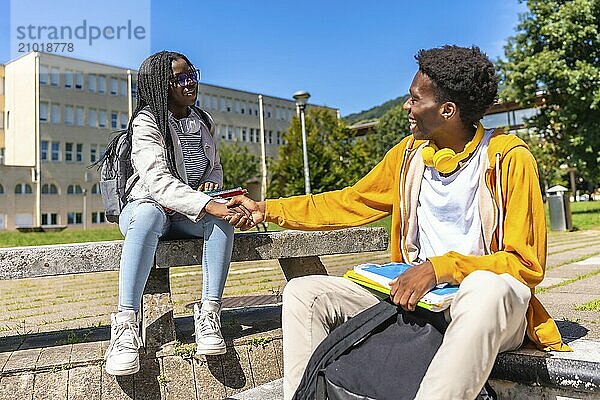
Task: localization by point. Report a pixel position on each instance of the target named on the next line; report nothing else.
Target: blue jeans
(143, 222)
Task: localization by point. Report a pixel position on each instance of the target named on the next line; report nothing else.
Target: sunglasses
(186, 78)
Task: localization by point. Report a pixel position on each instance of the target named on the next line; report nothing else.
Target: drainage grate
(247, 301)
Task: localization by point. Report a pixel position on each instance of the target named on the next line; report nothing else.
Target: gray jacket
(156, 183)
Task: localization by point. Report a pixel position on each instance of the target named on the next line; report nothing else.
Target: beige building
(58, 124)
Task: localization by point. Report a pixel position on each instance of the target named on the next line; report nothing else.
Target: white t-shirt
(448, 209)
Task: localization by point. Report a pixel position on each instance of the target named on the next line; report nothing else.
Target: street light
(301, 97)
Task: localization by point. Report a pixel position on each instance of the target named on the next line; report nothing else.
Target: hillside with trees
(375, 112)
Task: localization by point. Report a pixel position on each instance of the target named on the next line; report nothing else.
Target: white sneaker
(207, 324)
(122, 357)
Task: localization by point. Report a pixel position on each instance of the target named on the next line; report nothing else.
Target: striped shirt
(189, 130)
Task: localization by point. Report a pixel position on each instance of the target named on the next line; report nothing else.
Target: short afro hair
(462, 75)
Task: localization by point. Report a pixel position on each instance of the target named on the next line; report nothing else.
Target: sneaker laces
(209, 324)
(128, 342)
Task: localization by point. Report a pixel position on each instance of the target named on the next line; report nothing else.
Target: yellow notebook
(368, 283)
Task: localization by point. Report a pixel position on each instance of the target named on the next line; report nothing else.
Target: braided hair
(153, 92)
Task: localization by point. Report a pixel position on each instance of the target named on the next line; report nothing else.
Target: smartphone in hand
(225, 194)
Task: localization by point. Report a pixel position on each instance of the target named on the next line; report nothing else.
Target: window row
(73, 152)
(73, 218)
(79, 80)
(249, 135)
(52, 189)
(512, 118)
(76, 115)
(227, 104)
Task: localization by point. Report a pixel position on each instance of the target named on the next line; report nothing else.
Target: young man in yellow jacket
(466, 209)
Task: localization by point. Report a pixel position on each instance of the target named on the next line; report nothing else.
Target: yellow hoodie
(511, 211)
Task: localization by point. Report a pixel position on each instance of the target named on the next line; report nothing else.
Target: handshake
(243, 213)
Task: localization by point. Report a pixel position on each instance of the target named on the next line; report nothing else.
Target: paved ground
(64, 362)
(570, 290)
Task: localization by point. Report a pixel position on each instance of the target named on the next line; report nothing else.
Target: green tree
(239, 165)
(336, 159)
(555, 55)
(390, 129)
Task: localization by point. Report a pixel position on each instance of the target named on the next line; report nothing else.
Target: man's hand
(408, 288)
(256, 210)
(219, 209)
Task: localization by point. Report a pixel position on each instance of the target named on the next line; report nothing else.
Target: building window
(96, 188)
(44, 75)
(55, 151)
(44, 150)
(23, 188)
(74, 218)
(229, 133)
(251, 134)
(54, 77)
(237, 134)
(69, 152)
(68, 115)
(79, 116)
(270, 137)
(213, 102)
(55, 115)
(98, 217)
(222, 106)
(68, 79)
(123, 121)
(123, 83)
(1, 189)
(114, 117)
(134, 90)
(43, 111)
(92, 118)
(236, 104)
(102, 150)
(223, 132)
(92, 82)
(50, 219)
(102, 119)
(243, 110)
(79, 80)
(228, 109)
(74, 189)
(93, 152)
(79, 152)
(101, 84)
(114, 86)
(49, 188)
(244, 135)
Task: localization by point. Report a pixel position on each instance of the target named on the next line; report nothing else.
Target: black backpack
(116, 168)
(381, 353)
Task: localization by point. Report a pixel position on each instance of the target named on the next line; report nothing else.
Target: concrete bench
(297, 253)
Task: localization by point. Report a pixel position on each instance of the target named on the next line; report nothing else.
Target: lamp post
(301, 97)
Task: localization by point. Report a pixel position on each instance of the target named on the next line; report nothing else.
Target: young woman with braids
(174, 156)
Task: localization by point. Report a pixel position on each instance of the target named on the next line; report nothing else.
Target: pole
(263, 156)
(305, 153)
(84, 216)
(129, 95)
(38, 173)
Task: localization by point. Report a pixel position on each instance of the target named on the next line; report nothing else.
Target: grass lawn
(586, 215)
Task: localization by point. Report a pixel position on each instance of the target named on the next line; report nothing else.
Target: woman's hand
(237, 213)
(256, 209)
(207, 186)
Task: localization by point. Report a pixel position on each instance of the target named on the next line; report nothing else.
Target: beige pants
(488, 317)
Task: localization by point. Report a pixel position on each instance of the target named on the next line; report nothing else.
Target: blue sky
(348, 54)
